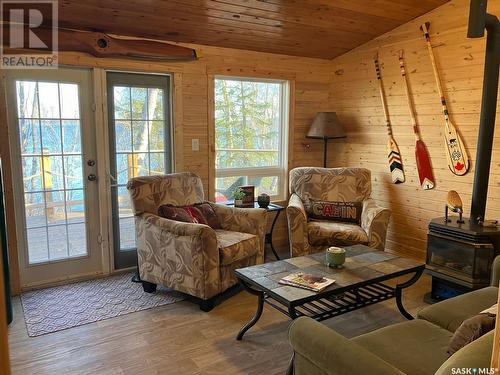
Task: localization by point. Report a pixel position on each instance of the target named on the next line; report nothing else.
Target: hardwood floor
(180, 339)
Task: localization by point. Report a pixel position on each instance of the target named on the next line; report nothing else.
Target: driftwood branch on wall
(104, 45)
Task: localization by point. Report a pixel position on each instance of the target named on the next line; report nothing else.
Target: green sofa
(415, 347)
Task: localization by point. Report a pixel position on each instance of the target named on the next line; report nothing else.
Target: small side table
(273, 207)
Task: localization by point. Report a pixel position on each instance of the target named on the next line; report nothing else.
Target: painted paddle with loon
(393, 154)
(424, 166)
(456, 154)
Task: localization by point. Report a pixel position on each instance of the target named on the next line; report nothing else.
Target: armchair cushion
(209, 214)
(186, 214)
(235, 246)
(150, 192)
(200, 213)
(330, 233)
(331, 184)
(246, 220)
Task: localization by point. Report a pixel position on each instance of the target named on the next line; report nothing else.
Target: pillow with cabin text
(347, 212)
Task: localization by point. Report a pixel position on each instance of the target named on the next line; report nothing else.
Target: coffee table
(360, 283)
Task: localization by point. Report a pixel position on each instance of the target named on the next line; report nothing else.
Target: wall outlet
(195, 144)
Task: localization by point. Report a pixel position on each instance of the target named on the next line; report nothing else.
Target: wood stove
(459, 256)
(460, 253)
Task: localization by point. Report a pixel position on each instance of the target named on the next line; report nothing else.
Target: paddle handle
(382, 96)
(411, 108)
(425, 30)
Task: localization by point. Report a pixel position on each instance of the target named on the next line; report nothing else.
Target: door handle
(92, 177)
(114, 182)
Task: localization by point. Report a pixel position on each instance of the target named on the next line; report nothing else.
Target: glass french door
(140, 145)
(53, 151)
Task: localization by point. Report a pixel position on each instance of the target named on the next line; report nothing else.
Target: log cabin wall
(192, 108)
(355, 97)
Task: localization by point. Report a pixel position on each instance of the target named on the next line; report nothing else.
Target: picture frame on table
(249, 198)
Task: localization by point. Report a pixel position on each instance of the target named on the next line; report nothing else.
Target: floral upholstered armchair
(335, 185)
(189, 257)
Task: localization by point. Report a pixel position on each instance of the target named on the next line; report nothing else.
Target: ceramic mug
(335, 256)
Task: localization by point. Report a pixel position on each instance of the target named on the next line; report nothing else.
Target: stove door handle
(475, 244)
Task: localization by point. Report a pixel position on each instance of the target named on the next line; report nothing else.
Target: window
(251, 131)
(52, 169)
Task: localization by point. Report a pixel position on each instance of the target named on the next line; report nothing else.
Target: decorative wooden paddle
(103, 45)
(393, 155)
(421, 155)
(456, 154)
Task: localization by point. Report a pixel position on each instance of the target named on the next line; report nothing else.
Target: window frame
(279, 170)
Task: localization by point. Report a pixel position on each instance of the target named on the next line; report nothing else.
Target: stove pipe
(479, 20)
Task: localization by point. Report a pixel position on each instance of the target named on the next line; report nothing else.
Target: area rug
(54, 309)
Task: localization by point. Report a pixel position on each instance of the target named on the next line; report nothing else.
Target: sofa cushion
(471, 329)
(450, 314)
(477, 354)
(329, 233)
(234, 246)
(415, 347)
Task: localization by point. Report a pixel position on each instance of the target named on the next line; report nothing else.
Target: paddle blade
(395, 162)
(424, 166)
(458, 161)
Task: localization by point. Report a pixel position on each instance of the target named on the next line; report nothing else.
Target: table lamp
(326, 125)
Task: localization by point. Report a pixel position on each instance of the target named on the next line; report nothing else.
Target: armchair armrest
(178, 255)
(318, 347)
(246, 220)
(374, 221)
(297, 226)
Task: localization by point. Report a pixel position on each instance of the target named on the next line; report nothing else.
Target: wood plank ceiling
(312, 28)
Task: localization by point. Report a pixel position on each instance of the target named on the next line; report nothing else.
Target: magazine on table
(306, 281)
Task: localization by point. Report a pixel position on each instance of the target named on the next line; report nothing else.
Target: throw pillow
(200, 213)
(348, 212)
(470, 330)
(209, 214)
(186, 214)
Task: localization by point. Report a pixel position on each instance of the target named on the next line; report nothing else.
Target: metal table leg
(269, 236)
(399, 293)
(260, 307)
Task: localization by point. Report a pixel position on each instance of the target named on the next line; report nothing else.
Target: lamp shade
(326, 125)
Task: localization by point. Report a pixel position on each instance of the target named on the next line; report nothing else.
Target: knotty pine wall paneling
(355, 97)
